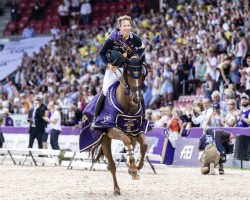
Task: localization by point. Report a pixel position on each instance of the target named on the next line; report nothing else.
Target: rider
(129, 45)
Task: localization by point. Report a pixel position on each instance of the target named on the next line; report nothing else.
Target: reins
(126, 87)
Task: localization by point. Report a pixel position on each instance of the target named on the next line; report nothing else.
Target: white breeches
(109, 79)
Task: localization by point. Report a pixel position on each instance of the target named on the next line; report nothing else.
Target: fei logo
(186, 152)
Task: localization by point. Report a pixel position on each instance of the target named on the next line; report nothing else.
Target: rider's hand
(111, 67)
(135, 56)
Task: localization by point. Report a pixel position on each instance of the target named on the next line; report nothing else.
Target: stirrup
(92, 126)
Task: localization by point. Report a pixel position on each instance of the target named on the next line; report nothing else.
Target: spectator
(216, 119)
(183, 73)
(77, 114)
(247, 74)
(75, 8)
(244, 115)
(196, 115)
(55, 31)
(224, 69)
(211, 64)
(165, 113)
(37, 11)
(208, 86)
(13, 10)
(156, 90)
(54, 125)
(6, 119)
(174, 127)
(63, 11)
(28, 32)
(85, 12)
(242, 49)
(167, 85)
(231, 117)
(136, 10)
(207, 112)
(228, 94)
(216, 99)
(147, 95)
(149, 115)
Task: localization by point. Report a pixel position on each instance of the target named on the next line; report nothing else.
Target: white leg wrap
(130, 152)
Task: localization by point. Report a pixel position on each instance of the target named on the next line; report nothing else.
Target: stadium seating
(50, 17)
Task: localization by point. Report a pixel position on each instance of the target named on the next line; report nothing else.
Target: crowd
(195, 46)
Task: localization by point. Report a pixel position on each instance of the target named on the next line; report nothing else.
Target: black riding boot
(221, 169)
(143, 108)
(98, 108)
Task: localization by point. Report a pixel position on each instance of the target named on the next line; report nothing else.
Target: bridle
(135, 72)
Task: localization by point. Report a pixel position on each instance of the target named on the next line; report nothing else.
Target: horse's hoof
(140, 166)
(132, 172)
(137, 177)
(117, 192)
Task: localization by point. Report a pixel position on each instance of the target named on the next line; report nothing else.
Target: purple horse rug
(112, 115)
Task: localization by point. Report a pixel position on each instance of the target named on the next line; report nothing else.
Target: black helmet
(115, 58)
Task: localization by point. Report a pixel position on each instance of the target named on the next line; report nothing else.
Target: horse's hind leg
(106, 148)
(143, 148)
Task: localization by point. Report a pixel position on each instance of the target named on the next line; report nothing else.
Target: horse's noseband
(135, 71)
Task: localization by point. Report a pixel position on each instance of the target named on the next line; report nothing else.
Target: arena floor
(58, 183)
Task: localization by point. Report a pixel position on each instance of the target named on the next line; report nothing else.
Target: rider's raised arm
(108, 44)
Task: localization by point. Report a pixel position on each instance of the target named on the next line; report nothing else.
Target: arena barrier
(18, 137)
(197, 132)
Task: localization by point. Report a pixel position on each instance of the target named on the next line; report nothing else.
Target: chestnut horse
(129, 96)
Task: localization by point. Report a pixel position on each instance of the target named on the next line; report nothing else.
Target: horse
(128, 94)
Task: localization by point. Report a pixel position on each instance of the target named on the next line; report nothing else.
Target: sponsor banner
(12, 53)
(186, 154)
(18, 137)
(21, 140)
(29, 45)
(8, 65)
(20, 120)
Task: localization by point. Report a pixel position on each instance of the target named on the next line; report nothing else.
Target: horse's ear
(142, 58)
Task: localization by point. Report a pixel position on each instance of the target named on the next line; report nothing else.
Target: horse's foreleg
(119, 135)
(106, 148)
(143, 148)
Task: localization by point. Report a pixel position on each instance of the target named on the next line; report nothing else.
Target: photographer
(37, 123)
(222, 140)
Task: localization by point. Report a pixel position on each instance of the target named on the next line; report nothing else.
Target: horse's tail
(96, 152)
